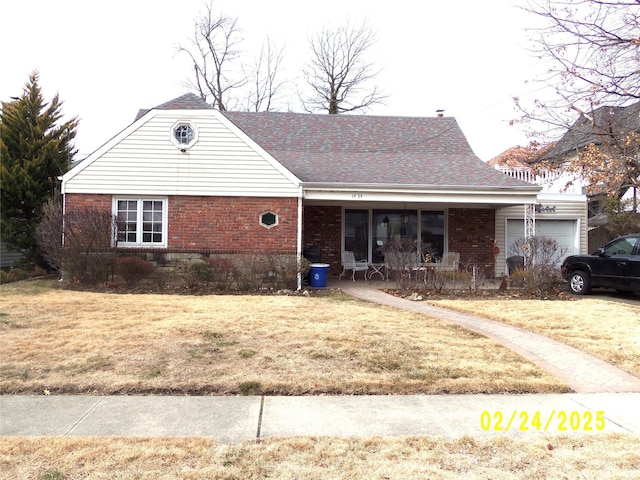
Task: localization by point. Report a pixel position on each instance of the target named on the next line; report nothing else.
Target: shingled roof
(369, 150)
(604, 122)
(188, 101)
(356, 149)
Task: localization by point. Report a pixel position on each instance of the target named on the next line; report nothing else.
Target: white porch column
(529, 220)
(299, 243)
(529, 230)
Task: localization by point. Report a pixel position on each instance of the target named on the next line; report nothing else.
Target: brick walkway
(582, 372)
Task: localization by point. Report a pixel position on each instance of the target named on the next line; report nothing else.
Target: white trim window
(184, 134)
(269, 219)
(141, 222)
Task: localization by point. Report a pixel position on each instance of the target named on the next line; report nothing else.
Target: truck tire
(579, 282)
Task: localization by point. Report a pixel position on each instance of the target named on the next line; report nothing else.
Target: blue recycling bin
(319, 273)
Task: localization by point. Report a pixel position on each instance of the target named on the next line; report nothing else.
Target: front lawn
(607, 329)
(57, 340)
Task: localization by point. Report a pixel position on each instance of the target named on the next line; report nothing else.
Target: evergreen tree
(35, 149)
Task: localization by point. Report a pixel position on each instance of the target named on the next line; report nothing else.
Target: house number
(356, 195)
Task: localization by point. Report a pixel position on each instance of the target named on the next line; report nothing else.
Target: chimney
(440, 113)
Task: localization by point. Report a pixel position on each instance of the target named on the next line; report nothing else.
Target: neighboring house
(188, 179)
(606, 127)
(609, 128)
(8, 257)
(560, 211)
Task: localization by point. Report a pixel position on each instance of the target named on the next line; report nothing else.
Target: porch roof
(350, 150)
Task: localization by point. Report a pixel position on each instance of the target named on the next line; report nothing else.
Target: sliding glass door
(356, 233)
(367, 231)
(390, 225)
(432, 232)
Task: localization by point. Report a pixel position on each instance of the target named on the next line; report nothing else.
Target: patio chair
(349, 262)
(421, 267)
(449, 262)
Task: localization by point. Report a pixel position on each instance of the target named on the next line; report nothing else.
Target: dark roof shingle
(357, 149)
(188, 101)
(606, 123)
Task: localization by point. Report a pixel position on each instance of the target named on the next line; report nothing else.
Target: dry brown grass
(588, 457)
(608, 329)
(67, 341)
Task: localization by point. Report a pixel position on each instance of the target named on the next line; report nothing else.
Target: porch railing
(550, 181)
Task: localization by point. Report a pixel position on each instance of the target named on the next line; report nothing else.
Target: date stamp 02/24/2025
(559, 421)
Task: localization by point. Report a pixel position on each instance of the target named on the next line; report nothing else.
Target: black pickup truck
(616, 265)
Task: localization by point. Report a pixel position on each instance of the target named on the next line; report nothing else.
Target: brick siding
(75, 201)
(471, 232)
(322, 228)
(231, 225)
(218, 224)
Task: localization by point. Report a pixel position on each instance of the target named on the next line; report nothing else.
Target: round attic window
(268, 219)
(184, 135)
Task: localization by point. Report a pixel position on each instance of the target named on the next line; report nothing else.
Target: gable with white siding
(143, 160)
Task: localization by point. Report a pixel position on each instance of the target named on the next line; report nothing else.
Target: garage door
(563, 231)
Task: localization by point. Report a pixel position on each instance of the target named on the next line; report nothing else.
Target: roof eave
(341, 193)
(419, 187)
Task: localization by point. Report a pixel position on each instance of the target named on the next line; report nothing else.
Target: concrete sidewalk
(237, 419)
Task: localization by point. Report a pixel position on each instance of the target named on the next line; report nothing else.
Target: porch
(368, 230)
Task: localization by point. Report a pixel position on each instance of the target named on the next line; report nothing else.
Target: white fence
(550, 181)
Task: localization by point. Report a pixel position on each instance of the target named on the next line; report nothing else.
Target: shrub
(134, 269)
(4, 277)
(542, 257)
(456, 280)
(282, 271)
(247, 272)
(268, 271)
(195, 274)
(222, 272)
(250, 270)
(402, 256)
(17, 274)
(87, 254)
(37, 271)
(164, 278)
(49, 232)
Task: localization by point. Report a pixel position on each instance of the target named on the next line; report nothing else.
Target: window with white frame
(269, 219)
(184, 134)
(141, 221)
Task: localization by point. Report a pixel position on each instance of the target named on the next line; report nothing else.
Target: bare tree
(81, 243)
(592, 49)
(264, 78)
(591, 90)
(339, 74)
(213, 51)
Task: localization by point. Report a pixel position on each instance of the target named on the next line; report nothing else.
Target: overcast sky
(109, 59)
